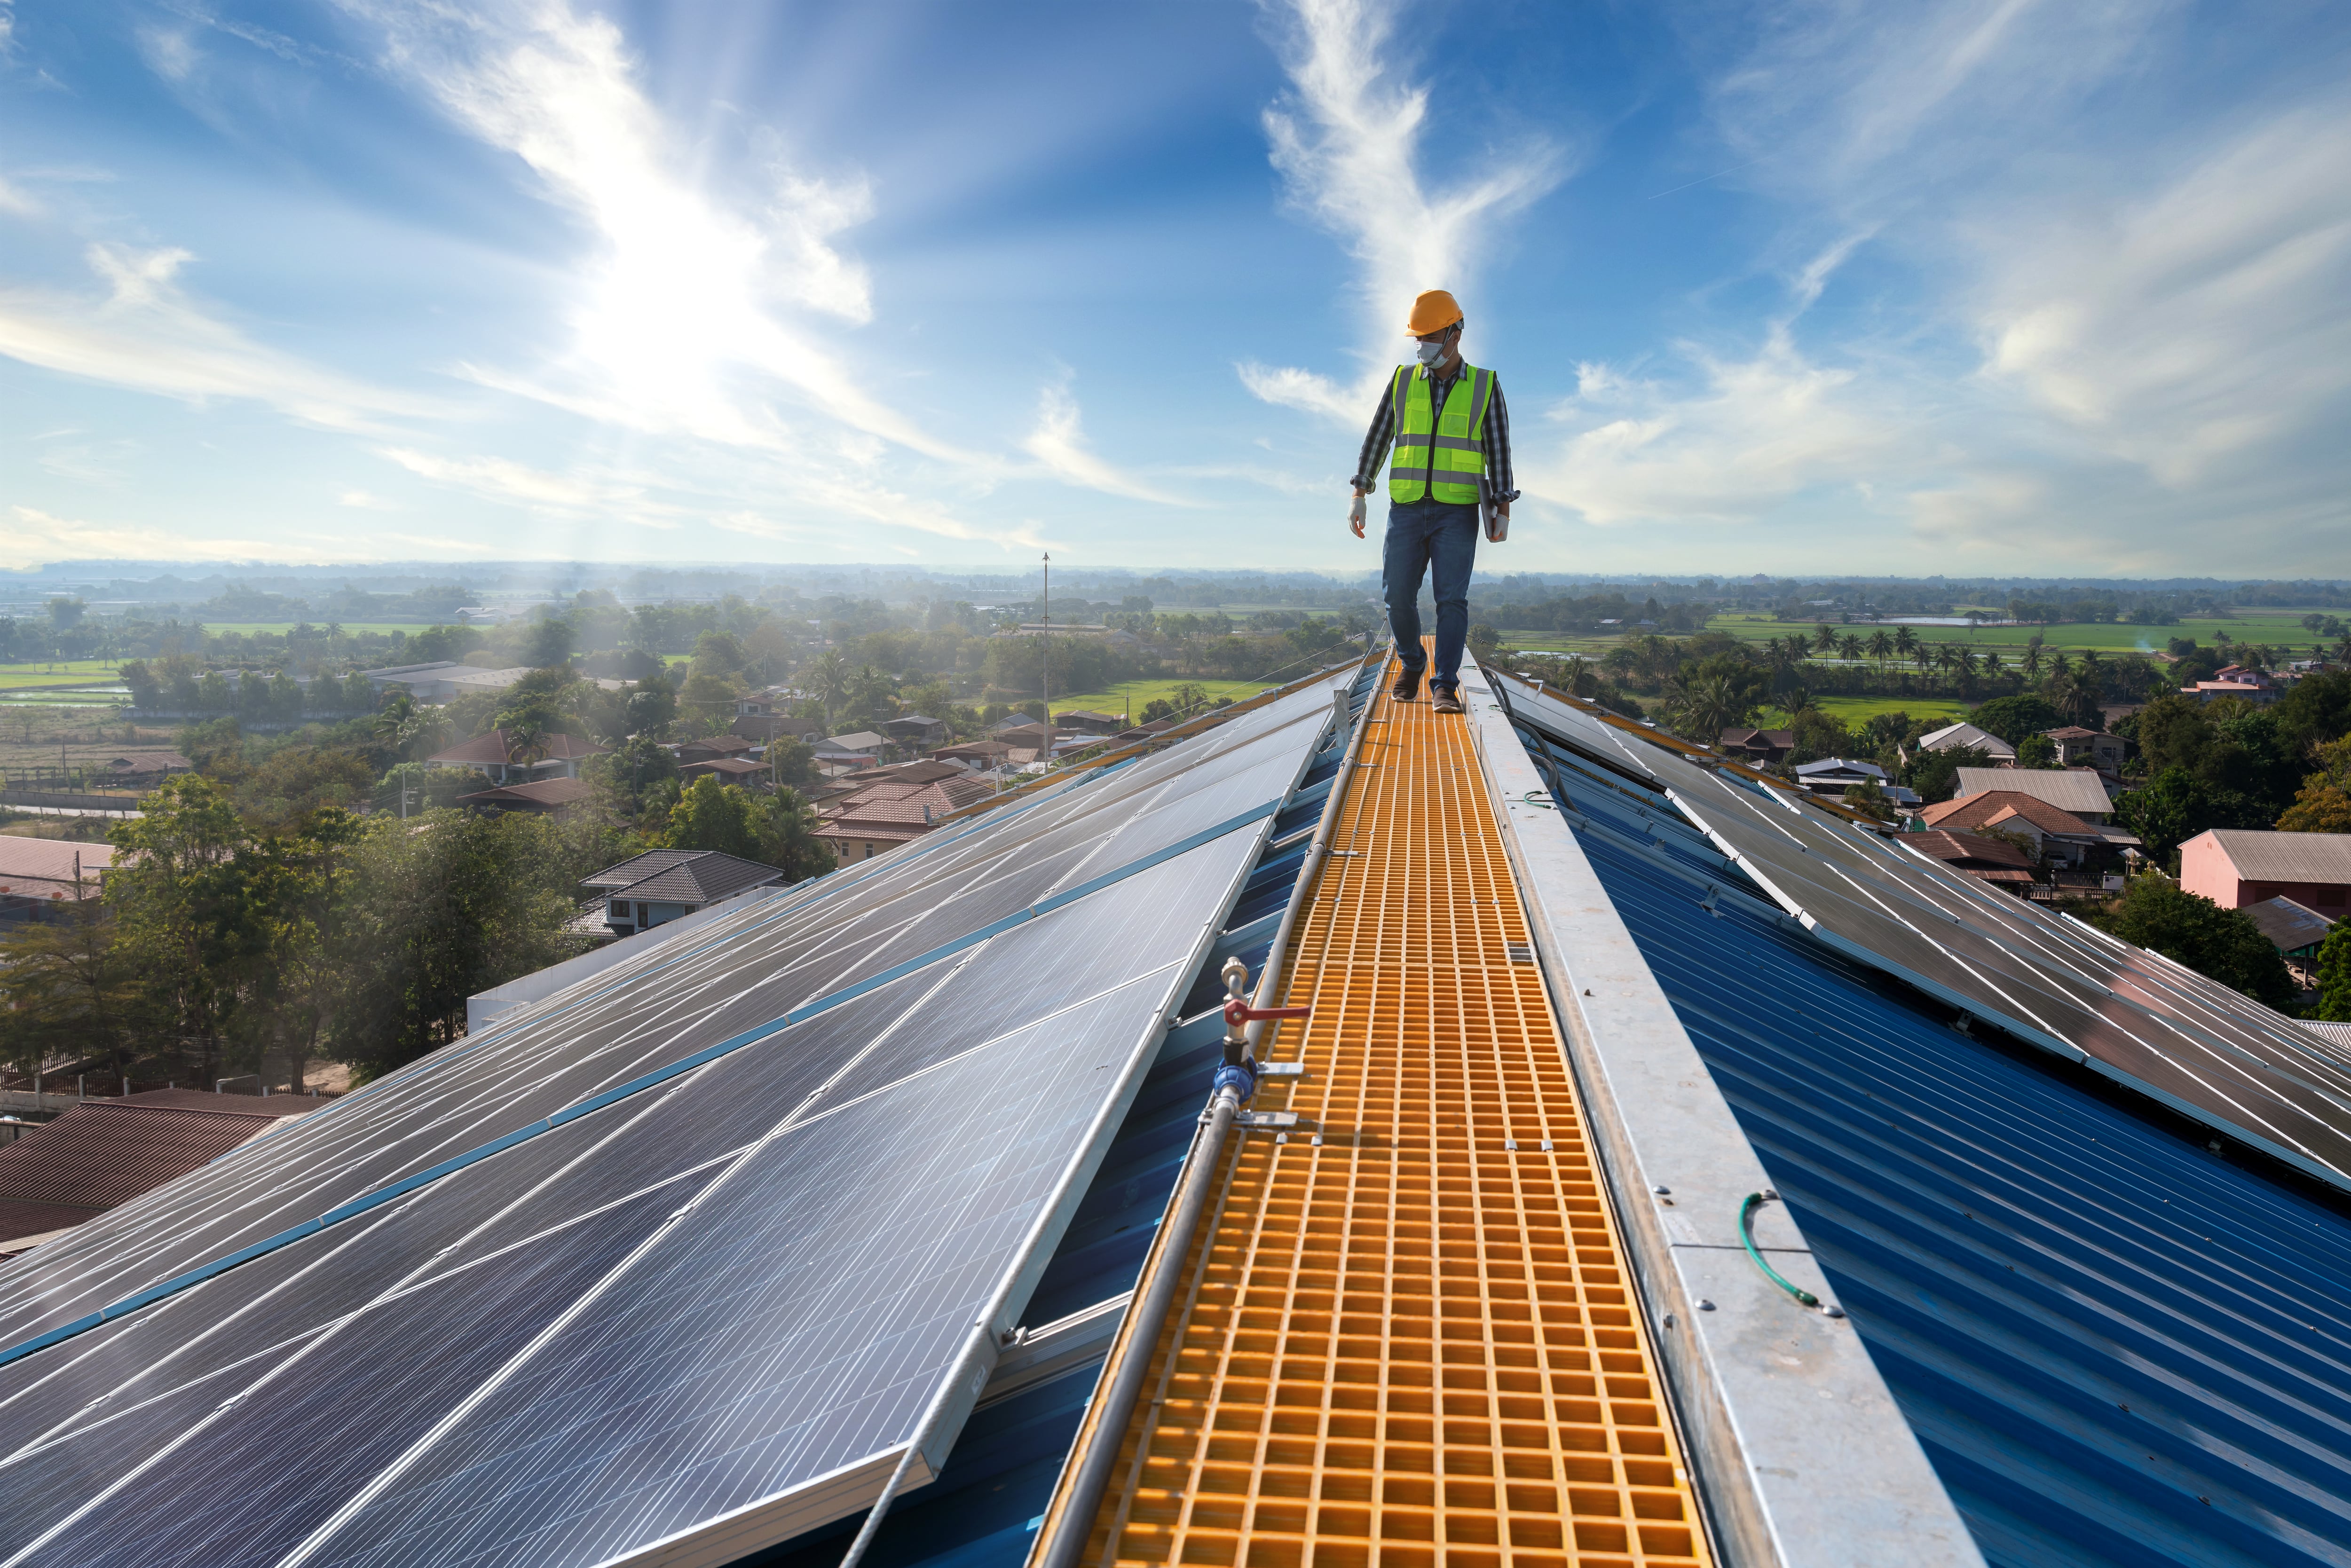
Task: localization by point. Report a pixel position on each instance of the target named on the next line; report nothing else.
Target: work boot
(1407, 687)
(1447, 699)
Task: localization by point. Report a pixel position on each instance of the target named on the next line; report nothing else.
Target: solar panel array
(2198, 1046)
(709, 1312)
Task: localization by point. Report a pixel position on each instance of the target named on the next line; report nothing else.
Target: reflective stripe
(1440, 454)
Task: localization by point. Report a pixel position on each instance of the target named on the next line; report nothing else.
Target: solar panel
(724, 1304)
(2201, 1047)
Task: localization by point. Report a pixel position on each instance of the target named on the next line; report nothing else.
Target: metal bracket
(1265, 1119)
(1294, 1071)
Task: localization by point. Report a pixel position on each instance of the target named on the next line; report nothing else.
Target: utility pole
(1048, 658)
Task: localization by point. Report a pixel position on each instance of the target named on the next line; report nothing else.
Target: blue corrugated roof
(2114, 1345)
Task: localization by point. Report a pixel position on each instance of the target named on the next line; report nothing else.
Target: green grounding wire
(1747, 1238)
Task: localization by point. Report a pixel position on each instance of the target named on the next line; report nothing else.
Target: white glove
(1355, 514)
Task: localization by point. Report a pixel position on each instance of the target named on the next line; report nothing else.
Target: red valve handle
(1239, 1011)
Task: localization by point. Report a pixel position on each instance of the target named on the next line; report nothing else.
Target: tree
(2334, 975)
(828, 681)
(185, 899)
(2317, 710)
(439, 910)
(1906, 642)
(713, 816)
(2221, 943)
(304, 911)
(70, 988)
(2013, 718)
(2324, 803)
(2175, 805)
(1881, 646)
(1935, 775)
(2036, 751)
(1824, 637)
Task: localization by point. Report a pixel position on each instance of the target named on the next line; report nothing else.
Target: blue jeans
(1423, 535)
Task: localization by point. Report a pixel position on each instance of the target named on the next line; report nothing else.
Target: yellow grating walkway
(1412, 1344)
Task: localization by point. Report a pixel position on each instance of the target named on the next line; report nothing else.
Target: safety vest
(1443, 458)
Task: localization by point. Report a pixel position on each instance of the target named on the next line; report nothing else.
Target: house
(916, 729)
(493, 755)
(717, 745)
(1757, 745)
(2234, 867)
(661, 885)
(864, 742)
(1966, 737)
(2080, 748)
(2235, 681)
(878, 818)
(2077, 790)
(38, 875)
(1995, 861)
(1832, 775)
(975, 756)
(2297, 933)
(2056, 834)
(1086, 721)
(137, 768)
(726, 770)
(540, 797)
(767, 728)
(98, 1153)
(443, 678)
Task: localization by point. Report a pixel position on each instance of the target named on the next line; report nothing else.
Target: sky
(1974, 286)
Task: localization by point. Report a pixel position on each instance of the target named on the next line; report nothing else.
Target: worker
(1452, 439)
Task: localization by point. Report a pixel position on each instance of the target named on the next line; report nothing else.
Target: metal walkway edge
(1408, 1334)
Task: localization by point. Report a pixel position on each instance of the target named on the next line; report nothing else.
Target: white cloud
(36, 538)
(366, 502)
(2193, 330)
(147, 334)
(1058, 443)
(170, 52)
(685, 319)
(1348, 146)
(538, 489)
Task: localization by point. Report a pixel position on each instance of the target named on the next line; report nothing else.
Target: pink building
(2237, 866)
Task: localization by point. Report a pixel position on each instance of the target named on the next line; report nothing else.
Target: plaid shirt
(1496, 481)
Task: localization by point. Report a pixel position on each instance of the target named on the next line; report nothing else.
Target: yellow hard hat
(1432, 312)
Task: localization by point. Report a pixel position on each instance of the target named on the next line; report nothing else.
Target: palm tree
(1849, 647)
(1881, 646)
(1991, 665)
(828, 680)
(2032, 658)
(2061, 668)
(1923, 655)
(1906, 642)
(1824, 636)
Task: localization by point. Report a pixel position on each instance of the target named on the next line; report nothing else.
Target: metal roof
(2284, 857)
(638, 867)
(2289, 926)
(2116, 1344)
(2073, 789)
(1962, 736)
(100, 1152)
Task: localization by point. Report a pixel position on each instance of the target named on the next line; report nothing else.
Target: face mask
(1430, 353)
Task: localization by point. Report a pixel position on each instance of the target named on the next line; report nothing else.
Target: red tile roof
(545, 793)
(101, 1153)
(1992, 805)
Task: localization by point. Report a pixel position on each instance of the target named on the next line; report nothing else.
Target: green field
(2282, 628)
(281, 627)
(1856, 711)
(1138, 694)
(55, 672)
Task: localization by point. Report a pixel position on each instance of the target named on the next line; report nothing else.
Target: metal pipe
(1277, 961)
(1090, 1481)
